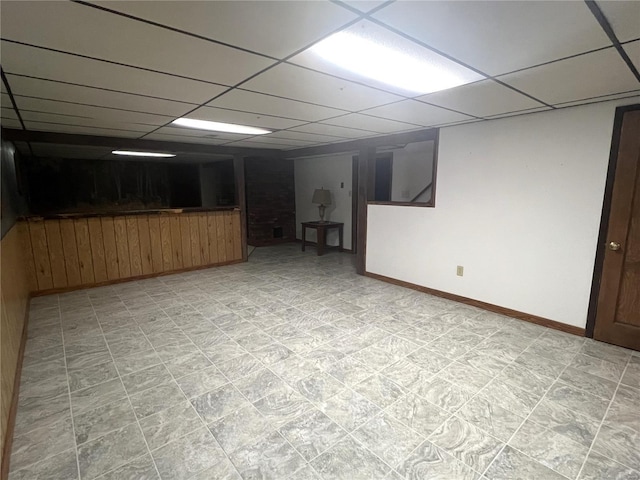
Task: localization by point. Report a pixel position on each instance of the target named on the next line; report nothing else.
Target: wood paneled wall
(79, 252)
(14, 300)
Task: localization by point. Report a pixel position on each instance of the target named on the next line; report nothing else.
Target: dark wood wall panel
(56, 254)
(167, 246)
(176, 243)
(122, 247)
(14, 304)
(134, 246)
(204, 239)
(194, 235)
(110, 248)
(212, 234)
(185, 241)
(70, 249)
(41, 255)
(145, 244)
(97, 250)
(27, 254)
(83, 242)
(155, 243)
(61, 254)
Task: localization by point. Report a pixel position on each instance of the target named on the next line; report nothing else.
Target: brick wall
(271, 201)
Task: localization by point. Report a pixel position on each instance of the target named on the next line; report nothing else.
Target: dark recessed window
(405, 175)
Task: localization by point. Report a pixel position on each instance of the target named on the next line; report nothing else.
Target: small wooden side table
(321, 230)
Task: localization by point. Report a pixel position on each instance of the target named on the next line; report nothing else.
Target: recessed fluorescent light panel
(143, 154)
(219, 126)
(380, 55)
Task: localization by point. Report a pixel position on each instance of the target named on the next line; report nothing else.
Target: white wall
(518, 204)
(326, 172)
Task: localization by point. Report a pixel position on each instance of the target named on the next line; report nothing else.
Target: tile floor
(293, 367)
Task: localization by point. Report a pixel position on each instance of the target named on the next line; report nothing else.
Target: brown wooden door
(618, 312)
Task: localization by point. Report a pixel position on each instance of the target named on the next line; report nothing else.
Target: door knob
(614, 246)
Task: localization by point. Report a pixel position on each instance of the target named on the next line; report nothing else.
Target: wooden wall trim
(366, 166)
(354, 203)
(241, 200)
(14, 311)
(13, 409)
(527, 317)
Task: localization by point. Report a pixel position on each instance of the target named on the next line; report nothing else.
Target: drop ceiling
(129, 68)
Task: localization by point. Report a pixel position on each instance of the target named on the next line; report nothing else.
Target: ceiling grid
(251, 62)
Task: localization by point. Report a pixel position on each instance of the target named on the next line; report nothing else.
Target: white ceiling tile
(312, 138)
(280, 141)
(247, 101)
(276, 28)
(295, 148)
(624, 18)
(242, 118)
(10, 123)
(367, 122)
(481, 99)
(301, 84)
(631, 95)
(81, 130)
(498, 37)
(452, 124)
(69, 68)
(384, 37)
(89, 112)
(520, 112)
(9, 113)
(76, 28)
(591, 75)
(332, 130)
(51, 119)
(257, 144)
(633, 50)
(5, 101)
(418, 113)
(92, 96)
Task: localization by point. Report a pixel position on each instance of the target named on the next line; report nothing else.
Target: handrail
(421, 192)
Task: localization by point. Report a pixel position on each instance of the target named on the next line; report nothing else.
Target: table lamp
(321, 197)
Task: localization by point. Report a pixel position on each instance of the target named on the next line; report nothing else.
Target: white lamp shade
(321, 196)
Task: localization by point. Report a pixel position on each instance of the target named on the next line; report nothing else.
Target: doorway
(614, 313)
(383, 178)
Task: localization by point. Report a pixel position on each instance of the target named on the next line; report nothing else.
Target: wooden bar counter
(70, 251)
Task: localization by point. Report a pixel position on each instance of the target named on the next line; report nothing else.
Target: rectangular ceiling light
(423, 73)
(143, 154)
(220, 127)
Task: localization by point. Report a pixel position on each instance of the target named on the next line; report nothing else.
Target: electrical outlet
(460, 270)
(341, 184)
